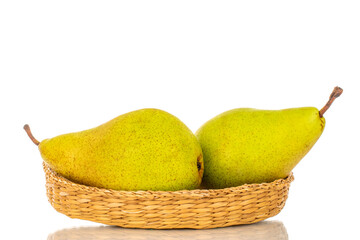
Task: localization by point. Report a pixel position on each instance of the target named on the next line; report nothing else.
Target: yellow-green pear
(253, 146)
(147, 149)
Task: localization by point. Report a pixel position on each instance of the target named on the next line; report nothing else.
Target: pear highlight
(253, 146)
(147, 149)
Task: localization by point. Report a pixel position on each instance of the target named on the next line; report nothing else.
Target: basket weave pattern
(197, 209)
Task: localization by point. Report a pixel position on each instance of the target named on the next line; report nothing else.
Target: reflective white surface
(266, 230)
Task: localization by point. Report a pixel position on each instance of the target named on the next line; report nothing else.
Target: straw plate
(197, 209)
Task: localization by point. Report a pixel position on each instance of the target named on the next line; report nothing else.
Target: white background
(71, 65)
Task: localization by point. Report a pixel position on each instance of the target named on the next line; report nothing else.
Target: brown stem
(335, 93)
(28, 131)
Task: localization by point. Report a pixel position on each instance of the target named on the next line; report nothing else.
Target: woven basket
(197, 209)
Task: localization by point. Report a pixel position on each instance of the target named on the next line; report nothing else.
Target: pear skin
(147, 149)
(247, 145)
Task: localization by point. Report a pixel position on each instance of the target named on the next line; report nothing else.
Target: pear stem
(28, 131)
(335, 93)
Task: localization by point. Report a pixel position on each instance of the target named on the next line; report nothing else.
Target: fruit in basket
(253, 146)
(147, 149)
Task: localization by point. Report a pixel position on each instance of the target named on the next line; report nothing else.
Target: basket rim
(194, 192)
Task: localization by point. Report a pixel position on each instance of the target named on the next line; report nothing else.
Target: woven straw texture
(197, 209)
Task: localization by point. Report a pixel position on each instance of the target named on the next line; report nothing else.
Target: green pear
(147, 149)
(253, 146)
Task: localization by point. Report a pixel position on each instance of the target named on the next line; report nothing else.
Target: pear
(253, 146)
(147, 149)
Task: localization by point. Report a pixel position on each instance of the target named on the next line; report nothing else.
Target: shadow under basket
(197, 209)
